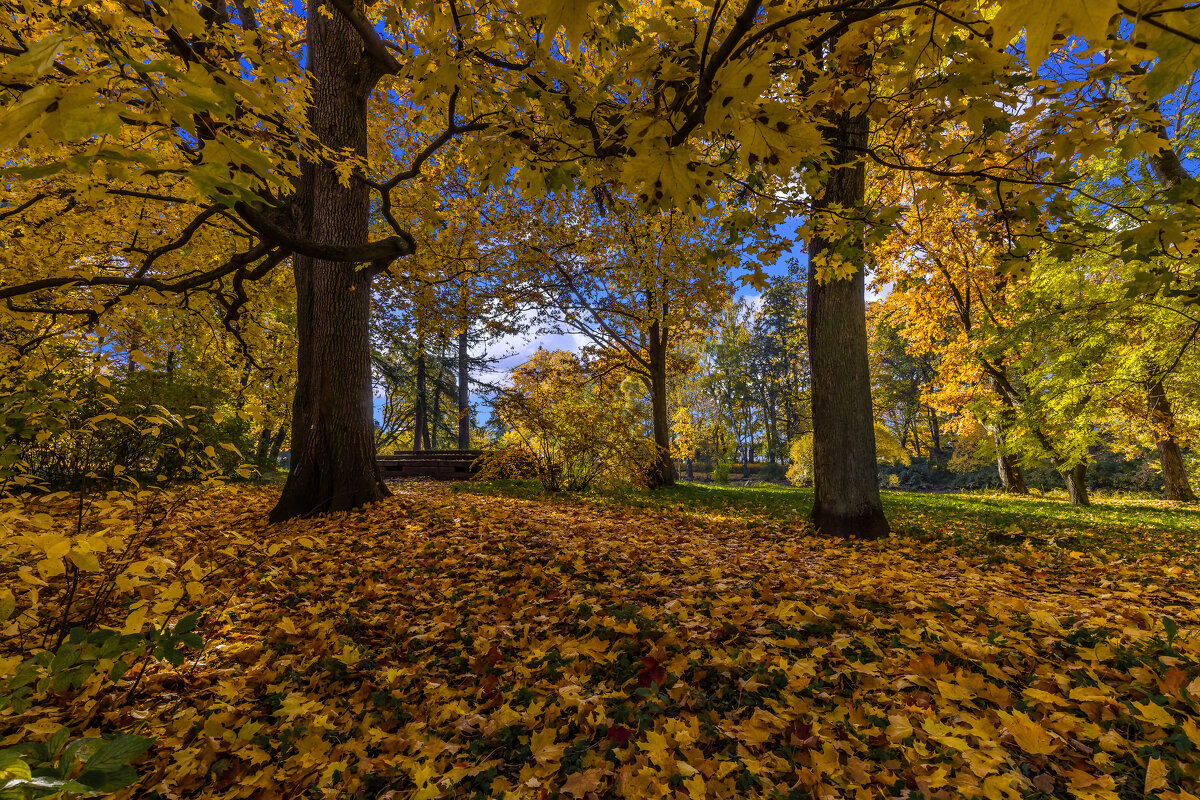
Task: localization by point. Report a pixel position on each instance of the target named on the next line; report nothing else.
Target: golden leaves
(1089, 19)
(1029, 735)
(449, 643)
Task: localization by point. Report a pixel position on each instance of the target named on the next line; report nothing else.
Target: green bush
(721, 468)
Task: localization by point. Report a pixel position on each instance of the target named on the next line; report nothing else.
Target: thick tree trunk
(1175, 480)
(1012, 481)
(846, 487)
(664, 466)
(464, 396)
(690, 473)
(333, 464)
(1076, 478)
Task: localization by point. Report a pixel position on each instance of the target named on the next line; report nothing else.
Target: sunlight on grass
(974, 520)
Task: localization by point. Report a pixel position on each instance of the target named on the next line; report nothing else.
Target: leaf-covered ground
(474, 643)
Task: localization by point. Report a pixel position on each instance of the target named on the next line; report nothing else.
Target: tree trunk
(333, 464)
(1011, 479)
(690, 474)
(277, 444)
(419, 434)
(1175, 480)
(464, 397)
(664, 466)
(1076, 478)
(846, 487)
(432, 442)
(264, 444)
(935, 436)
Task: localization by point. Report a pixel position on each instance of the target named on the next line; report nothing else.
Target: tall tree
(633, 283)
(846, 498)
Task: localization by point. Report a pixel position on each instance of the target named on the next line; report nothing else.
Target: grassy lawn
(973, 521)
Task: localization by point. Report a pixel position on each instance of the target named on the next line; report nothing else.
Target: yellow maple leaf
(1156, 776)
(543, 747)
(1154, 714)
(1029, 735)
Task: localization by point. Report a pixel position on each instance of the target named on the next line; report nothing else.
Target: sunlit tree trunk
(1175, 480)
(1076, 479)
(1012, 481)
(333, 464)
(1169, 170)
(846, 498)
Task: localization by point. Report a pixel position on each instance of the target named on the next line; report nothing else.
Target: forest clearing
(462, 642)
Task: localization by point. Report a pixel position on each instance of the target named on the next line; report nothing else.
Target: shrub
(721, 468)
(572, 428)
(799, 472)
(108, 605)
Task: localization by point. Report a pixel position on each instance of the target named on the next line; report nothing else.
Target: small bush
(720, 470)
(799, 473)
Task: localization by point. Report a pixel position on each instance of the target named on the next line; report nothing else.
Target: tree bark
(1175, 480)
(664, 466)
(333, 464)
(464, 396)
(846, 498)
(1012, 481)
(1076, 478)
(419, 433)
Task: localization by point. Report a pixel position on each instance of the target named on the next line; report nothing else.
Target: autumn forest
(585, 399)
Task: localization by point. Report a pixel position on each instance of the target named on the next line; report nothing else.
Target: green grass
(974, 521)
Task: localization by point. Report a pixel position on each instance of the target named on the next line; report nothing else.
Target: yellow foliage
(577, 647)
(571, 427)
(800, 472)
